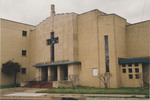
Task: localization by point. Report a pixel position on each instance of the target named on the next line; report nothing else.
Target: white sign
(95, 72)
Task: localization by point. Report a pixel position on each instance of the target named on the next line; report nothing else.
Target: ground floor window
(130, 76)
(137, 76)
(23, 70)
(123, 70)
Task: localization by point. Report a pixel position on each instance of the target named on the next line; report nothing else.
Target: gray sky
(34, 11)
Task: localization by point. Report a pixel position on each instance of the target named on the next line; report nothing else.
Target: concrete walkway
(29, 94)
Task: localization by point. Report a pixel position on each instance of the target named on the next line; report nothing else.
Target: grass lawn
(114, 97)
(95, 90)
(9, 86)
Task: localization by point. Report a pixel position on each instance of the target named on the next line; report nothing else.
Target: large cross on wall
(52, 42)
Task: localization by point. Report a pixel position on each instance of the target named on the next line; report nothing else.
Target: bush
(147, 96)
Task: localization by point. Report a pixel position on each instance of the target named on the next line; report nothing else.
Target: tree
(105, 78)
(72, 79)
(11, 68)
(141, 80)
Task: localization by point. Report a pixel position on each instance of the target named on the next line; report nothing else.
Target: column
(49, 74)
(74, 70)
(58, 73)
(38, 74)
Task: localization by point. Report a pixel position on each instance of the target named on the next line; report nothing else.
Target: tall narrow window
(106, 53)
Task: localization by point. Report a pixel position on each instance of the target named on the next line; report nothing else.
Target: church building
(85, 45)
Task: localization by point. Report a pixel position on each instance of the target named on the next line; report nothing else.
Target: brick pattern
(39, 84)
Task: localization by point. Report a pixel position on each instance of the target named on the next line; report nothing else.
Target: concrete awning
(57, 63)
(134, 60)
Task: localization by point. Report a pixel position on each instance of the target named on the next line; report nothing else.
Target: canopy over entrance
(57, 63)
(134, 60)
(58, 72)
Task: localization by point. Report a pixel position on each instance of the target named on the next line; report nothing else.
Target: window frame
(131, 76)
(123, 65)
(24, 52)
(137, 76)
(129, 70)
(136, 64)
(23, 70)
(136, 70)
(123, 70)
(24, 33)
(130, 65)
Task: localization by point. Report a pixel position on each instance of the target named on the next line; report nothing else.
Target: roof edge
(17, 22)
(57, 63)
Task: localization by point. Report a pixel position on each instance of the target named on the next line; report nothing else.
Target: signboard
(95, 72)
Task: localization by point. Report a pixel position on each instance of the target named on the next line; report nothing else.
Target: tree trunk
(15, 77)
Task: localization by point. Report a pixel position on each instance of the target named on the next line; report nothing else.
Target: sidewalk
(29, 94)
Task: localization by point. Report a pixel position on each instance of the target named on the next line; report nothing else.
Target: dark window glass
(124, 70)
(24, 33)
(137, 76)
(137, 70)
(136, 64)
(106, 47)
(24, 52)
(130, 70)
(123, 65)
(107, 66)
(106, 53)
(129, 65)
(130, 76)
(23, 70)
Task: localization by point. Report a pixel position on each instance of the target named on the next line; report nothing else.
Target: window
(123, 65)
(136, 64)
(137, 76)
(130, 76)
(129, 65)
(95, 72)
(137, 70)
(130, 70)
(24, 33)
(24, 52)
(107, 65)
(23, 70)
(124, 70)
(106, 53)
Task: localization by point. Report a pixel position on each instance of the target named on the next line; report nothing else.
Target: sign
(95, 72)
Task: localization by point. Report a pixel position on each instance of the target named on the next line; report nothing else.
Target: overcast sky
(34, 11)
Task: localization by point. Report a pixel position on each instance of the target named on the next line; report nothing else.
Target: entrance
(45, 74)
(54, 73)
(63, 72)
(65, 69)
(146, 74)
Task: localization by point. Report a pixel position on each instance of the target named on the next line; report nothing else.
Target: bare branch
(105, 78)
